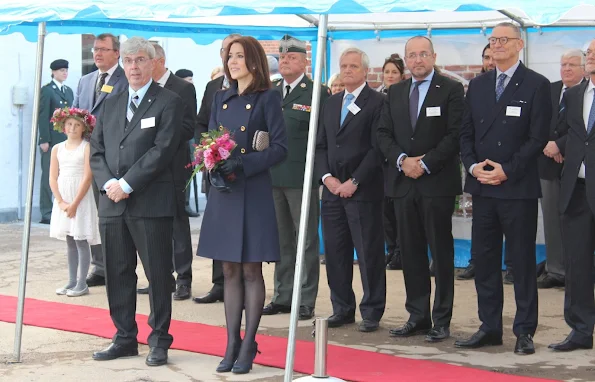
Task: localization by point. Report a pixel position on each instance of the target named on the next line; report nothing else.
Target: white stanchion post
(321, 342)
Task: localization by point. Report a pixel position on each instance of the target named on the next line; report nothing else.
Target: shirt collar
(140, 92)
(428, 78)
(58, 84)
(164, 78)
(110, 71)
(356, 92)
(294, 83)
(591, 86)
(510, 72)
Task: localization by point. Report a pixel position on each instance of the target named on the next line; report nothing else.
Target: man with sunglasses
(505, 128)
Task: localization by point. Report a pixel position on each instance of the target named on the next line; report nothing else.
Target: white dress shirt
(109, 74)
(57, 83)
(164, 78)
(291, 85)
(587, 102)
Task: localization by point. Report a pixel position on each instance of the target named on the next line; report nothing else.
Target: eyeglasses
(588, 52)
(102, 50)
(138, 61)
(568, 65)
(503, 40)
(422, 55)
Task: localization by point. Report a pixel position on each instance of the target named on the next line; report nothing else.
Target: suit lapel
(405, 101)
(513, 85)
(430, 100)
(297, 92)
(146, 103)
(60, 94)
(112, 82)
(360, 102)
(121, 113)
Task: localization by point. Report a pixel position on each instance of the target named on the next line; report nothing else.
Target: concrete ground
(50, 355)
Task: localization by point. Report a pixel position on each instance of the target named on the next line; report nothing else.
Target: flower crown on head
(82, 115)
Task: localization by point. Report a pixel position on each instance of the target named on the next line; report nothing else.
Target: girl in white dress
(74, 214)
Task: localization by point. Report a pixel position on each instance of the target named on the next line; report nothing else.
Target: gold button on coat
(243, 128)
(243, 151)
(248, 107)
(224, 106)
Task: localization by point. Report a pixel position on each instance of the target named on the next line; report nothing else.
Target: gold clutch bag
(260, 141)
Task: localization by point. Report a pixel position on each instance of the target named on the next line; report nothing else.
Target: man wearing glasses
(505, 128)
(93, 88)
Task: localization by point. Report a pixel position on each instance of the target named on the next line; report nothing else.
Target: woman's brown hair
(256, 63)
(397, 61)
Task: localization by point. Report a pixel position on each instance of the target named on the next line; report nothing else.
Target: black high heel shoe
(226, 366)
(245, 368)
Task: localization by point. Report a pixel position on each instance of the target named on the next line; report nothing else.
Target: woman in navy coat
(239, 227)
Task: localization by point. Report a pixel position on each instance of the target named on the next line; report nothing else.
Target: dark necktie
(562, 102)
(132, 107)
(99, 86)
(414, 103)
(591, 119)
(287, 90)
(500, 86)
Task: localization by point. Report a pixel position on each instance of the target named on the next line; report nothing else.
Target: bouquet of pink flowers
(214, 147)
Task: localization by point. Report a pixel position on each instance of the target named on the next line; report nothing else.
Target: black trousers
(578, 239)
(517, 221)
(182, 242)
(390, 224)
(122, 238)
(427, 221)
(349, 224)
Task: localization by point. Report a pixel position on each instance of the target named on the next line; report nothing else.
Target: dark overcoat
(241, 225)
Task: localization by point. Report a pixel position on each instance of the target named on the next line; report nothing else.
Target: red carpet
(345, 363)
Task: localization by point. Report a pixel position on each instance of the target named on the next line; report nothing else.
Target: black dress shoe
(479, 339)
(524, 345)
(468, 273)
(437, 334)
(547, 281)
(156, 357)
(306, 312)
(209, 298)
(508, 277)
(191, 213)
(367, 326)
(409, 329)
(569, 345)
(95, 280)
(338, 320)
(273, 308)
(44, 221)
(142, 290)
(182, 292)
(395, 262)
(115, 351)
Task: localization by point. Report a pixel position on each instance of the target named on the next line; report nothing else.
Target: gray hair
(233, 35)
(137, 44)
(420, 37)
(575, 53)
(273, 65)
(362, 54)
(333, 78)
(513, 26)
(159, 52)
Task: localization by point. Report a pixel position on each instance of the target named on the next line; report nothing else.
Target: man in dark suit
(182, 243)
(419, 135)
(577, 205)
(505, 128)
(93, 89)
(54, 95)
(204, 115)
(132, 148)
(572, 70)
(288, 180)
(349, 165)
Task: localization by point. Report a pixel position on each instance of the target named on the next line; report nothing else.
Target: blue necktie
(500, 86)
(348, 98)
(591, 117)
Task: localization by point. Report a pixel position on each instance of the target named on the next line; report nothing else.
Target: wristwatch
(355, 182)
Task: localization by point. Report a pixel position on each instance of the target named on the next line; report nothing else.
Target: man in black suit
(419, 135)
(577, 205)
(182, 243)
(132, 148)
(204, 115)
(349, 165)
(505, 128)
(572, 70)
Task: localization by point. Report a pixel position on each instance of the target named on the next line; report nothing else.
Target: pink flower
(209, 163)
(224, 153)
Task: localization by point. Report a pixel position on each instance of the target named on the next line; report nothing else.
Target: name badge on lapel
(146, 123)
(353, 108)
(433, 111)
(107, 88)
(513, 111)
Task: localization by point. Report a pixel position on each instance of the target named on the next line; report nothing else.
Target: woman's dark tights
(243, 289)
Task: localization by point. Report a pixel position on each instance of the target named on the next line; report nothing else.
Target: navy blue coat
(241, 226)
(513, 141)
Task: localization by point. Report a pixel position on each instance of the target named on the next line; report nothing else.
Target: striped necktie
(132, 107)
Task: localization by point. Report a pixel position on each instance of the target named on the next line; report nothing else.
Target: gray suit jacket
(85, 91)
(142, 156)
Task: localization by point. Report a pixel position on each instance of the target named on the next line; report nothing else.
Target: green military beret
(290, 44)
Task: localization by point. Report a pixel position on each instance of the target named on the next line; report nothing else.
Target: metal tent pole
(29, 201)
(307, 190)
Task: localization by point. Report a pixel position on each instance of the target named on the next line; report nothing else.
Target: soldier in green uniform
(288, 180)
(54, 95)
